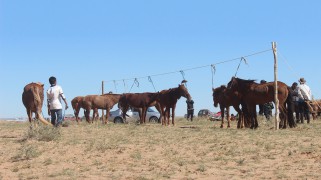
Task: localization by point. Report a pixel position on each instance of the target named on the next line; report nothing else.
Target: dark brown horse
(253, 93)
(32, 98)
(168, 99)
(227, 98)
(138, 100)
(105, 101)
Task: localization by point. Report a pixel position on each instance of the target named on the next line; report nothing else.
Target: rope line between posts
(151, 81)
(194, 68)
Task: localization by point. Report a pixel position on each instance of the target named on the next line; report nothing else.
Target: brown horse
(227, 98)
(253, 93)
(138, 100)
(168, 99)
(105, 101)
(314, 108)
(76, 104)
(32, 98)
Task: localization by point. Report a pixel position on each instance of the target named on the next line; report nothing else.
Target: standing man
(267, 108)
(54, 95)
(190, 109)
(304, 94)
(261, 106)
(295, 100)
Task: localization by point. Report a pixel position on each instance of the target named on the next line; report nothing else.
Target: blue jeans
(56, 117)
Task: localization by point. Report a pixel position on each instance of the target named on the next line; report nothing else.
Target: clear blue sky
(85, 42)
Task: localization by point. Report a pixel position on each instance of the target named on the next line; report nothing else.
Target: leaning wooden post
(276, 100)
(102, 111)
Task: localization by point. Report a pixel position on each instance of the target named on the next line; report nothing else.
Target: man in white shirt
(54, 95)
(304, 95)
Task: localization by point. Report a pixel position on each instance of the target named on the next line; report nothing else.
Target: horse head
(123, 105)
(183, 91)
(217, 93)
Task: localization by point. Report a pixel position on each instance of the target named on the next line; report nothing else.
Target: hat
(263, 81)
(302, 80)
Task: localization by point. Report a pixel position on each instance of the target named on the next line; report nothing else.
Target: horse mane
(250, 81)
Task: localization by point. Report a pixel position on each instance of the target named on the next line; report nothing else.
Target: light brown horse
(32, 98)
(105, 101)
(253, 93)
(168, 99)
(314, 108)
(227, 98)
(140, 101)
(76, 104)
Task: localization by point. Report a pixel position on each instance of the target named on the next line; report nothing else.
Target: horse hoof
(221, 126)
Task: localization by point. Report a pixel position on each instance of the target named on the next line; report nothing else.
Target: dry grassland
(189, 150)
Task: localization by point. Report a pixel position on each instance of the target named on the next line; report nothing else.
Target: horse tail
(290, 108)
(36, 97)
(38, 103)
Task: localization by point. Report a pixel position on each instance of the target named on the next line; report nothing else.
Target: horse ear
(184, 81)
(213, 89)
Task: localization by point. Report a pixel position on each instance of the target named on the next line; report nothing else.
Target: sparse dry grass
(189, 150)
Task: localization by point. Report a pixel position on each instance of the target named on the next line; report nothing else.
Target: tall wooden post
(102, 111)
(276, 100)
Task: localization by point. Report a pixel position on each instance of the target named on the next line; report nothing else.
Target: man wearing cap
(304, 94)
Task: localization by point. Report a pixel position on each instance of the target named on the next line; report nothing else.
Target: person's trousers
(56, 117)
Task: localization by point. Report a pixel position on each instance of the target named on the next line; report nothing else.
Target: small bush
(43, 133)
(26, 152)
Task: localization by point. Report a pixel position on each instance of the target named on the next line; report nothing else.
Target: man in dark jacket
(190, 109)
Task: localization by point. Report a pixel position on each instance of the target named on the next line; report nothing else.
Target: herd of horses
(164, 101)
(243, 95)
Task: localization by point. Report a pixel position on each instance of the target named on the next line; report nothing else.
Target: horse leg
(87, 113)
(251, 115)
(162, 112)
(140, 116)
(255, 118)
(240, 122)
(29, 113)
(168, 114)
(76, 113)
(222, 115)
(284, 116)
(228, 117)
(107, 115)
(144, 109)
(173, 114)
(239, 119)
(157, 106)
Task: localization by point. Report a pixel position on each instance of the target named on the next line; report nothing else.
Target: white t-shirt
(54, 95)
(304, 92)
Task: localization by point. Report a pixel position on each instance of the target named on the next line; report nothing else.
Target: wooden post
(276, 100)
(102, 111)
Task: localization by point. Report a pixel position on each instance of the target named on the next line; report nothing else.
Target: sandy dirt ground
(188, 150)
